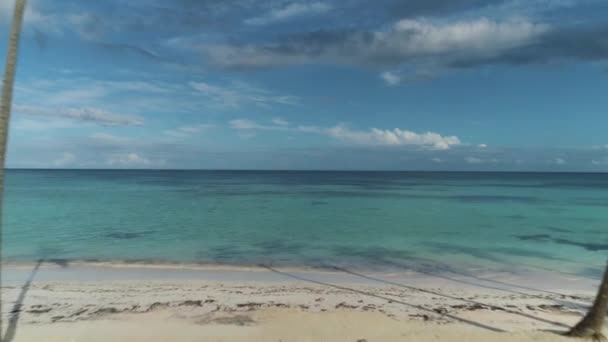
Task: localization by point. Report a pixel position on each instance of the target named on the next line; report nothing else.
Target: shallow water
(380, 220)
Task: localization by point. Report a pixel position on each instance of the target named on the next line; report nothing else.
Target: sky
(496, 85)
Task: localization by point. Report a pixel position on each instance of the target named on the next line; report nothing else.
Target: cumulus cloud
(83, 114)
(396, 136)
(570, 43)
(410, 46)
(290, 11)
(372, 137)
(238, 94)
(405, 41)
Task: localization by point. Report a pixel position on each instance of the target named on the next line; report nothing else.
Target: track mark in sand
(240, 320)
(39, 310)
(191, 303)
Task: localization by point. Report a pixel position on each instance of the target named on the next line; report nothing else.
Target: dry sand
(286, 305)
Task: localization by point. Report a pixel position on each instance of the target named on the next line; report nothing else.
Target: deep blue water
(553, 221)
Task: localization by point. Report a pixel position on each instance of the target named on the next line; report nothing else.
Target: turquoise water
(365, 219)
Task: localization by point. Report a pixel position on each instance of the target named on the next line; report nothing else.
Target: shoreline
(80, 270)
(152, 264)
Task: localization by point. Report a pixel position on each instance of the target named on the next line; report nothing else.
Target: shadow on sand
(445, 269)
(15, 312)
(455, 318)
(493, 307)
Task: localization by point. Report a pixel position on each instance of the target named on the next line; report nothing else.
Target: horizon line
(295, 170)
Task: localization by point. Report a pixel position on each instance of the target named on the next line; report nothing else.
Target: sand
(101, 303)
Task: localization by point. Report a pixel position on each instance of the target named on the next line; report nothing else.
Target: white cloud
(6, 8)
(108, 139)
(373, 137)
(395, 136)
(407, 41)
(66, 158)
(25, 124)
(437, 160)
(246, 134)
(600, 161)
(483, 36)
(81, 89)
(195, 128)
(309, 129)
(84, 114)
(482, 145)
(473, 160)
(137, 86)
(390, 78)
(290, 11)
(188, 130)
(128, 159)
(243, 124)
(81, 92)
(246, 124)
(32, 17)
(559, 161)
(280, 122)
(240, 93)
(86, 94)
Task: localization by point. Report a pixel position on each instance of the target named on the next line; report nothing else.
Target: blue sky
(241, 84)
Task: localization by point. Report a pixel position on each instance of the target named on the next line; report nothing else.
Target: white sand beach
(84, 302)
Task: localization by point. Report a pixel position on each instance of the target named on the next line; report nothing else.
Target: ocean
(367, 220)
